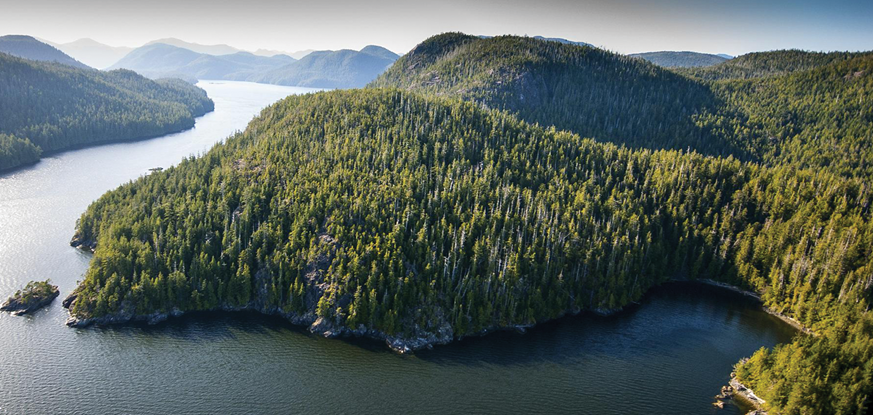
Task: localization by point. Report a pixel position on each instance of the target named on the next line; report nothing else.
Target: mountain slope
(29, 48)
(332, 69)
(418, 220)
(669, 59)
(807, 118)
(586, 90)
(54, 107)
(196, 47)
(93, 53)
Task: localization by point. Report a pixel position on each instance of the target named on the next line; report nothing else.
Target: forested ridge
(416, 214)
(48, 106)
(772, 63)
(587, 90)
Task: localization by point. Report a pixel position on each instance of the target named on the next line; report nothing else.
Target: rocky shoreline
(746, 395)
(28, 301)
(787, 319)
(419, 340)
(736, 391)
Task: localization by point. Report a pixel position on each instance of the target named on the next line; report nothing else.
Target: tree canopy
(474, 202)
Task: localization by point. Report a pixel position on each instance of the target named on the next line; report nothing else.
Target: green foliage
(590, 91)
(409, 212)
(765, 64)
(804, 118)
(35, 291)
(829, 374)
(16, 152)
(55, 107)
(820, 118)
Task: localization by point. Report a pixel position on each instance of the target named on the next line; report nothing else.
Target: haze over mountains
(28, 47)
(172, 57)
(159, 60)
(321, 69)
(92, 53)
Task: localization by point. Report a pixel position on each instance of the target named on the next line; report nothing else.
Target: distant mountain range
(196, 47)
(102, 56)
(92, 53)
(175, 58)
(670, 59)
(321, 69)
(28, 47)
(161, 60)
(332, 69)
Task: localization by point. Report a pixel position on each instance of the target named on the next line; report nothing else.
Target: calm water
(671, 354)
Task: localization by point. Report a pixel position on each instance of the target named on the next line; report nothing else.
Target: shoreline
(83, 146)
(757, 297)
(419, 340)
(745, 394)
(18, 308)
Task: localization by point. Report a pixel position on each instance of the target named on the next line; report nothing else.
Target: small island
(35, 295)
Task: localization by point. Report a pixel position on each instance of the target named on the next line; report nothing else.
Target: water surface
(670, 354)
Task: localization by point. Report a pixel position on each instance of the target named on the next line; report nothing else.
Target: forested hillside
(406, 217)
(820, 118)
(763, 64)
(805, 118)
(590, 91)
(48, 106)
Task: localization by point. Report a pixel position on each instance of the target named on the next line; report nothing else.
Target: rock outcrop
(33, 297)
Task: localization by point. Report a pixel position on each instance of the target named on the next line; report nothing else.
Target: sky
(625, 26)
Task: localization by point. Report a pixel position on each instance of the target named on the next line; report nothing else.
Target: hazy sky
(715, 26)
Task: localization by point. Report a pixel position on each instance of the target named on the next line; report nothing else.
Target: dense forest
(16, 152)
(411, 215)
(764, 64)
(48, 106)
(813, 113)
(590, 91)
